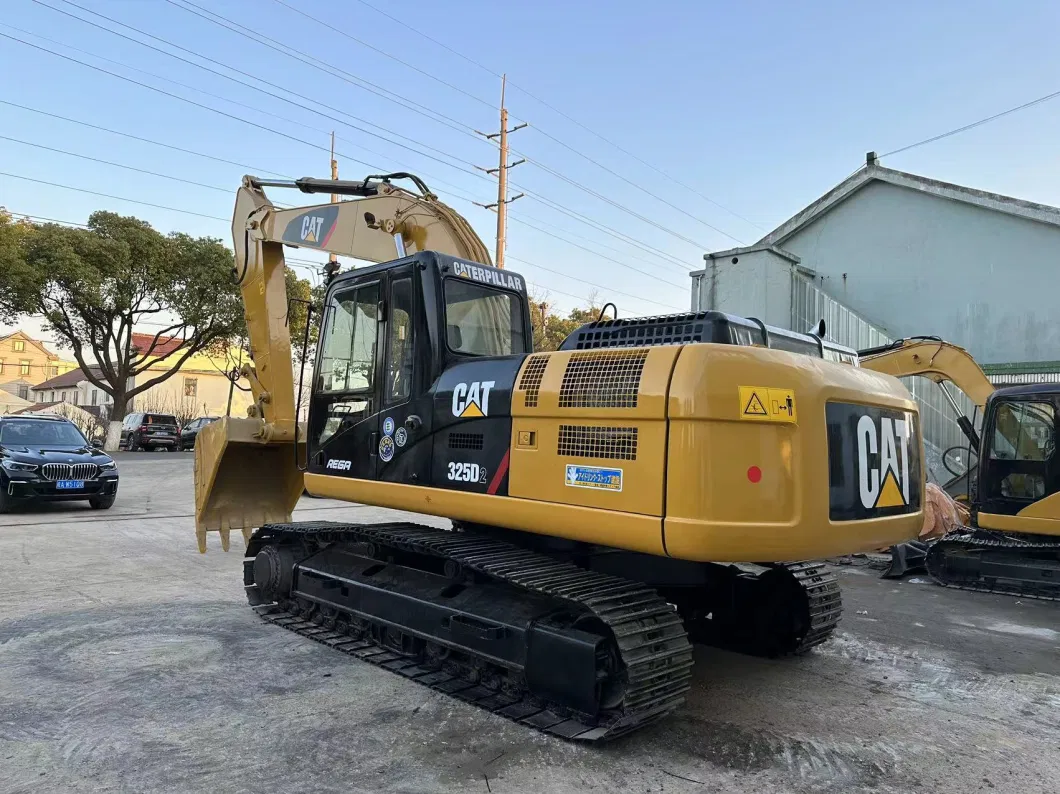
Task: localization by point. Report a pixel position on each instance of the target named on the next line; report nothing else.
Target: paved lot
(128, 662)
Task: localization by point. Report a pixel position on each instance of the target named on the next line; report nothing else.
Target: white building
(888, 254)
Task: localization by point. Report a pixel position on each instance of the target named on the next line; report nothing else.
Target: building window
(95, 396)
(23, 367)
(19, 345)
(77, 396)
(53, 396)
(23, 391)
(1, 366)
(191, 387)
(55, 372)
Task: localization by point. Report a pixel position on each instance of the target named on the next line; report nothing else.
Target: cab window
(1024, 431)
(399, 356)
(348, 359)
(481, 321)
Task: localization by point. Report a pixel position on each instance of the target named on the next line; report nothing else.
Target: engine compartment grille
(530, 382)
(589, 441)
(608, 379)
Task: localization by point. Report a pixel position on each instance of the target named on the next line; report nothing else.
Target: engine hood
(54, 454)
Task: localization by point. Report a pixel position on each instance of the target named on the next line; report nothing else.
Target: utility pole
(332, 267)
(502, 177)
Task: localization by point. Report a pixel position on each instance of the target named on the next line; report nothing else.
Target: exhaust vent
(585, 441)
(530, 382)
(602, 379)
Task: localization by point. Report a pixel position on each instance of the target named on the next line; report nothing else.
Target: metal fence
(809, 305)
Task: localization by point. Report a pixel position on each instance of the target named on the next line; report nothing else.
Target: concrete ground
(128, 662)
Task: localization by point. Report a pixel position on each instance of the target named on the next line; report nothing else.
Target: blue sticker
(593, 477)
(386, 449)
(388, 426)
(401, 436)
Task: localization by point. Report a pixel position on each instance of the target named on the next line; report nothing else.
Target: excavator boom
(247, 470)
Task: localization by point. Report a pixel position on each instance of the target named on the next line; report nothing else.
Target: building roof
(165, 344)
(33, 408)
(66, 380)
(873, 172)
(35, 342)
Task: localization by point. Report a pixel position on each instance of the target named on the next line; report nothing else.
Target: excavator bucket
(242, 481)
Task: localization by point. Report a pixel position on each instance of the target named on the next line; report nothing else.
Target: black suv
(190, 431)
(45, 458)
(150, 431)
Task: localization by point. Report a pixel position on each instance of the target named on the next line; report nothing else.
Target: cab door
(1022, 464)
(404, 440)
(345, 396)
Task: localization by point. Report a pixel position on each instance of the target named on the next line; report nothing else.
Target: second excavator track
(978, 559)
(654, 654)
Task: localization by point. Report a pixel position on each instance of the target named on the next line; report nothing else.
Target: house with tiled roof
(24, 362)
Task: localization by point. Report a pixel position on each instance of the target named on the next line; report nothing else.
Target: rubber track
(655, 651)
(979, 539)
(825, 601)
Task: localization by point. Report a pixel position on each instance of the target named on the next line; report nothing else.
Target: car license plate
(69, 485)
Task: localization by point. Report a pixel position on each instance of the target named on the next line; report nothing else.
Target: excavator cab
(1019, 465)
(410, 351)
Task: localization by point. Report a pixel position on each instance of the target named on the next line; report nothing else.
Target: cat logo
(472, 400)
(887, 483)
(311, 228)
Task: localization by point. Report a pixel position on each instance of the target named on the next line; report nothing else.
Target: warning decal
(763, 404)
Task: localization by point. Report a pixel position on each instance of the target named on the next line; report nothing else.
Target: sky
(656, 133)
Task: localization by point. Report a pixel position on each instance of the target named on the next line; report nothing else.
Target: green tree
(94, 286)
(551, 329)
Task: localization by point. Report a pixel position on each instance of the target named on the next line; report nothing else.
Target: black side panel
(473, 426)
(874, 466)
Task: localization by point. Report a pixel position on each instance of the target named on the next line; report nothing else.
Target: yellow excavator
(1013, 542)
(648, 484)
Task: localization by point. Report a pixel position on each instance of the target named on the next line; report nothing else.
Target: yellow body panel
(714, 509)
(606, 527)
(537, 472)
(1040, 518)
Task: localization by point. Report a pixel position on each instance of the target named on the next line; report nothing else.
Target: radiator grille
(530, 382)
(584, 441)
(602, 380)
(465, 441)
(67, 471)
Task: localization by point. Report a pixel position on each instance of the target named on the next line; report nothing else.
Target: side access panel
(589, 428)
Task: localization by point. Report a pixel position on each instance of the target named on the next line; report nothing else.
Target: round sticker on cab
(388, 426)
(386, 449)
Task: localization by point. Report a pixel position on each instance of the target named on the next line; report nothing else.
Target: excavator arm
(938, 361)
(247, 469)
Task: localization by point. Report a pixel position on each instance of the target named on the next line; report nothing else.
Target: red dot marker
(754, 474)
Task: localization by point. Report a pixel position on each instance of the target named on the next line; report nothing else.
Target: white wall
(927, 265)
(757, 284)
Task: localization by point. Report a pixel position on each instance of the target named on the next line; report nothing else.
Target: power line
(247, 168)
(115, 165)
(291, 52)
(590, 283)
(386, 54)
(201, 154)
(974, 124)
(249, 85)
(108, 195)
(244, 166)
(553, 205)
(603, 256)
(540, 165)
(564, 115)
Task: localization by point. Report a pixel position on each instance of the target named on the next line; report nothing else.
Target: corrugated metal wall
(809, 305)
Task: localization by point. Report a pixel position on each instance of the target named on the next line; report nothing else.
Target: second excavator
(1012, 545)
(653, 482)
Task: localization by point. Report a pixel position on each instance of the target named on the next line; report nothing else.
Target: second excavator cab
(410, 352)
